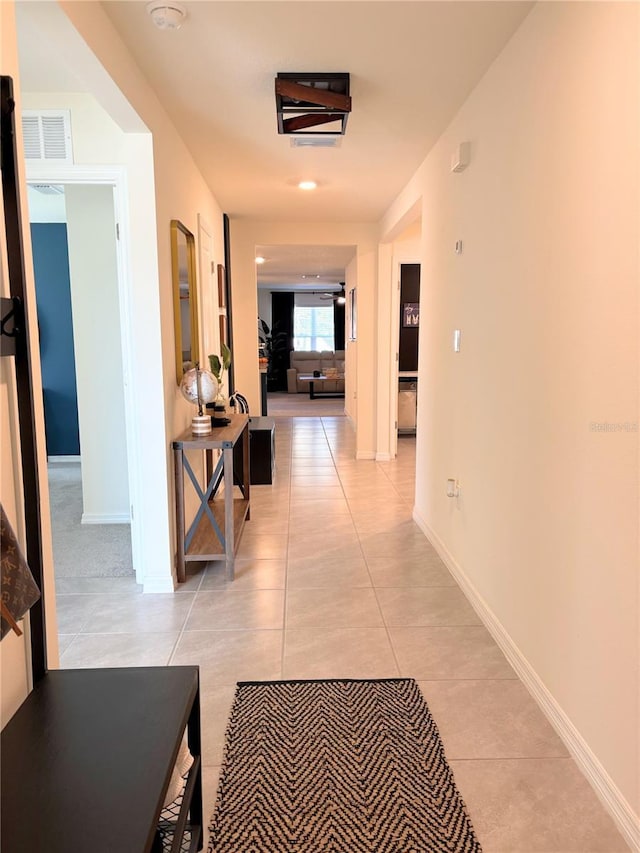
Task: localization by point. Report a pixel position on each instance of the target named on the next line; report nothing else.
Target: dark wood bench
(88, 757)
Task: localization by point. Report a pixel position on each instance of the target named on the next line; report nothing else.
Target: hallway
(334, 579)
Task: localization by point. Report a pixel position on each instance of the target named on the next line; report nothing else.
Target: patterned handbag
(19, 590)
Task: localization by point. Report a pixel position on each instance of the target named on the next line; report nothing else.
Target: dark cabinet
(262, 451)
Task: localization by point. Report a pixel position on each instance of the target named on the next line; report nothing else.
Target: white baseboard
(63, 460)
(383, 457)
(606, 790)
(365, 454)
(105, 518)
(158, 585)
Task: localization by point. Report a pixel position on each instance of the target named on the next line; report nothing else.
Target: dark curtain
(338, 325)
(282, 331)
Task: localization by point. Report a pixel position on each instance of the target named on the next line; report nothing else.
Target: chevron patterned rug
(349, 766)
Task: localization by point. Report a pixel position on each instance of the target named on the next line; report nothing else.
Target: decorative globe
(208, 386)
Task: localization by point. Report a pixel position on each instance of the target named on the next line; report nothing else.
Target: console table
(88, 756)
(214, 533)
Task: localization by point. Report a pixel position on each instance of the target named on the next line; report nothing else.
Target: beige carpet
(83, 550)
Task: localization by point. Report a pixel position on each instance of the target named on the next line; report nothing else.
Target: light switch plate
(456, 340)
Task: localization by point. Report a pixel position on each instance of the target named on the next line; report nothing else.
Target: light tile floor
(334, 579)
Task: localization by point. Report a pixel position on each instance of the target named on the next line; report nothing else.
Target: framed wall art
(222, 287)
(411, 314)
(224, 332)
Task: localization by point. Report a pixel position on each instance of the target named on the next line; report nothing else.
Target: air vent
(315, 141)
(47, 136)
(48, 189)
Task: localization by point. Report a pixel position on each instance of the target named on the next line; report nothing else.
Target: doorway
(79, 315)
(301, 308)
(408, 331)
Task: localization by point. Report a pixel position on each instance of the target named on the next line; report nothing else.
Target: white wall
(46, 208)
(545, 534)
(163, 184)
(93, 272)
(14, 651)
(264, 305)
(99, 146)
(245, 236)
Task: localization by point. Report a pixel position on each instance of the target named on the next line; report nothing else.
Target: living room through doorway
(301, 308)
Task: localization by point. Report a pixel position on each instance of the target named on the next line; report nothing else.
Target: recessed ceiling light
(307, 185)
(260, 259)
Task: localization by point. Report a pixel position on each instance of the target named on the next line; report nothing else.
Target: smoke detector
(167, 16)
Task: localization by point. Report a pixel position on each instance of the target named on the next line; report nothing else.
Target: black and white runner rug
(350, 766)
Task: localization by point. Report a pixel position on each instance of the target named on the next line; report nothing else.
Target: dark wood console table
(87, 760)
(214, 533)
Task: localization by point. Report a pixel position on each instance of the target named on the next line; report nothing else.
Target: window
(313, 327)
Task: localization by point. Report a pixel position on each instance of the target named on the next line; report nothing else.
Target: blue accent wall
(53, 296)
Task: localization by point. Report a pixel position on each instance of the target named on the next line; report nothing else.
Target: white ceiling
(303, 267)
(412, 64)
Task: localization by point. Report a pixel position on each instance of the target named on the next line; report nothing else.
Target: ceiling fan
(338, 296)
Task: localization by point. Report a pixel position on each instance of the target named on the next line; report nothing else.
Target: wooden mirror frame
(180, 232)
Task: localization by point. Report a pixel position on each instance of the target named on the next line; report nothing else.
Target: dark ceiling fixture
(304, 102)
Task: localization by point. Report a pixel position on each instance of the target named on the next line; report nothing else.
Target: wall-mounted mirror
(185, 302)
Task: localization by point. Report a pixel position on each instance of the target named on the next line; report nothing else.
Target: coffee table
(311, 379)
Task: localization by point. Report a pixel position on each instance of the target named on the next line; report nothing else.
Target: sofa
(306, 362)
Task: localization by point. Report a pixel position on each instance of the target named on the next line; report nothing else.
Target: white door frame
(398, 262)
(116, 177)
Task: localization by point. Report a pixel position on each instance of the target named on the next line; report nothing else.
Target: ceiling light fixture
(304, 102)
(167, 15)
(260, 259)
(307, 185)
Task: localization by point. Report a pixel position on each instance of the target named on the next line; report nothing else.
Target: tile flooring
(335, 579)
